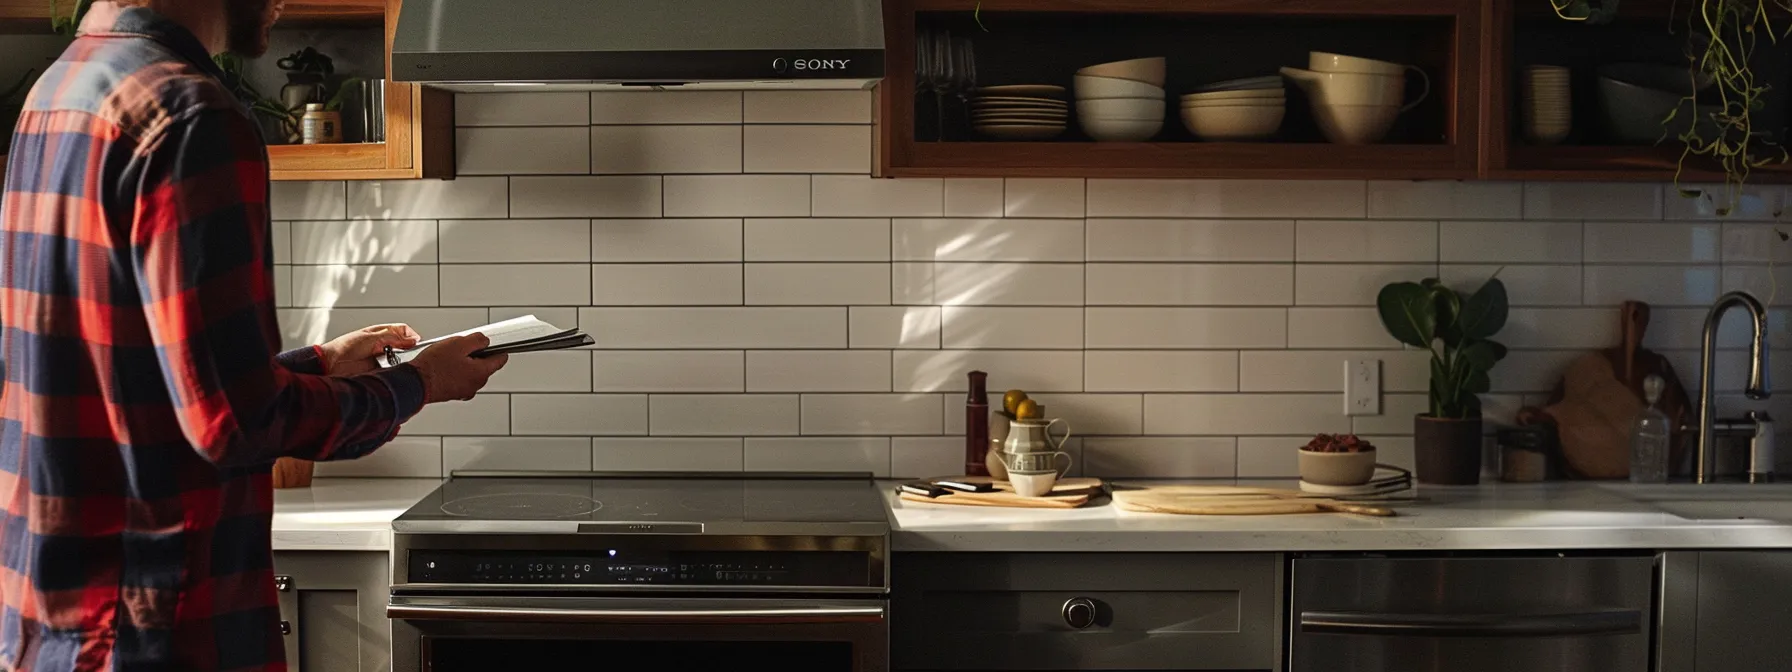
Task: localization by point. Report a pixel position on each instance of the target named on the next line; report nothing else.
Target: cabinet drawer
(1150, 611)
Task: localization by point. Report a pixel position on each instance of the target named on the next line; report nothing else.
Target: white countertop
(344, 514)
(355, 514)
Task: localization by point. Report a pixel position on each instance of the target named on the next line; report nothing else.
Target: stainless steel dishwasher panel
(1471, 614)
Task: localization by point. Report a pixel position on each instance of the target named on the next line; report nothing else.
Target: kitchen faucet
(1757, 381)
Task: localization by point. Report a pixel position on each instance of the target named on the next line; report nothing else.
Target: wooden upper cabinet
(1047, 41)
(419, 134)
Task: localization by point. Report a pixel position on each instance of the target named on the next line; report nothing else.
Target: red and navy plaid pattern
(143, 400)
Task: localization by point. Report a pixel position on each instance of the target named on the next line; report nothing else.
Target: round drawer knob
(1079, 612)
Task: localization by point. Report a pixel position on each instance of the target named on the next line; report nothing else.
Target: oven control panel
(614, 567)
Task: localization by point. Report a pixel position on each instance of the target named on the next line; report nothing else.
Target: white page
(501, 333)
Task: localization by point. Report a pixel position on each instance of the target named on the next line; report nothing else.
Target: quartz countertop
(344, 514)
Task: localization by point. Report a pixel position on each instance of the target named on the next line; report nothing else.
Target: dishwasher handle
(1569, 624)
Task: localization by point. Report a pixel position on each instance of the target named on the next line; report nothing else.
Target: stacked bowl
(1121, 101)
(1355, 100)
(1020, 112)
(1645, 104)
(1235, 110)
(1547, 110)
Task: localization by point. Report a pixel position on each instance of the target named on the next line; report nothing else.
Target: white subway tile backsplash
(926, 456)
(1525, 285)
(565, 317)
(867, 455)
(652, 150)
(667, 454)
(489, 241)
(999, 284)
(1095, 414)
(1365, 241)
(1510, 242)
(724, 414)
(578, 414)
(363, 241)
(516, 284)
(1323, 370)
(944, 370)
(818, 371)
(548, 150)
(1442, 199)
(1244, 414)
(911, 284)
(483, 415)
(1752, 203)
(817, 240)
(817, 284)
(1762, 281)
(872, 414)
(310, 326)
(567, 371)
(463, 198)
(666, 285)
(894, 327)
(1190, 240)
(1347, 328)
(1227, 198)
(281, 233)
(1190, 284)
(651, 240)
(1044, 197)
(1656, 285)
(1580, 200)
(1182, 457)
(737, 196)
(809, 107)
(1397, 411)
(283, 297)
(585, 196)
(1012, 328)
(1352, 284)
(1545, 328)
(808, 149)
(547, 108)
(363, 286)
(974, 197)
(1532, 370)
(1272, 456)
(715, 328)
(1204, 328)
(1013, 240)
(1646, 242)
(404, 457)
(856, 196)
(308, 200)
(1751, 244)
(504, 453)
(666, 107)
(1160, 371)
(668, 371)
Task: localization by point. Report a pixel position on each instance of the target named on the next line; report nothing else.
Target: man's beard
(247, 31)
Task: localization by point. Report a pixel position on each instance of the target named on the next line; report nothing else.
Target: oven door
(452, 634)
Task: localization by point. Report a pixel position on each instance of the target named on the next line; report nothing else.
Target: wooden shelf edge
(278, 175)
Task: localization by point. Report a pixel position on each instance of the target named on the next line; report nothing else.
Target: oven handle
(769, 616)
(1574, 624)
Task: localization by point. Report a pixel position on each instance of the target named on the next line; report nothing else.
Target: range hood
(487, 45)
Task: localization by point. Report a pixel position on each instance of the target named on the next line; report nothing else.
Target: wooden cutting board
(1004, 499)
(1600, 396)
(1234, 501)
(1064, 486)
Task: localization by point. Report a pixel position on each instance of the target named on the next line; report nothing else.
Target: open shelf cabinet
(419, 134)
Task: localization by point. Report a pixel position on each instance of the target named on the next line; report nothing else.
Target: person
(143, 402)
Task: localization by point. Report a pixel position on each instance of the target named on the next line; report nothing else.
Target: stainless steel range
(518, 570)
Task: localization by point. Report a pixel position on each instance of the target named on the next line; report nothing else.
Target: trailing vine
(1734, 28)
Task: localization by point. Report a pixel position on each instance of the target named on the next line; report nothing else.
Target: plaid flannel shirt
(143, 402)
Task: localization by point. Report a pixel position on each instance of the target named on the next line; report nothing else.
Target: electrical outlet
(1362, 387)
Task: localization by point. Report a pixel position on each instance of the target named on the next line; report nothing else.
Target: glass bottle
(1650, 437)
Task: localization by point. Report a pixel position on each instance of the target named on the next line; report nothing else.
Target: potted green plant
(1458, 332)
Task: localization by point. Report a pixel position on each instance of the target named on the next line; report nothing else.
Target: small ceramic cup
(1033, 483)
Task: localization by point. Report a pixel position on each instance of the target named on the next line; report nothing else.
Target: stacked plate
(1020, 112)
(1240, 109)
(1121, 101)
(1547, 110)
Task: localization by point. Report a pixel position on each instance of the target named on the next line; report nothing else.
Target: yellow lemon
(1028, 409)
(1011, 401)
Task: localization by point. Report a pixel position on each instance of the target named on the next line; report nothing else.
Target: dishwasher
(1563, 613)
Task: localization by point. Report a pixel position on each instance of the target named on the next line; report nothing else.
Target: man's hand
(355, 352)
(449, 371)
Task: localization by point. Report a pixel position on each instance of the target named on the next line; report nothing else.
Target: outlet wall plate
(1362, 387)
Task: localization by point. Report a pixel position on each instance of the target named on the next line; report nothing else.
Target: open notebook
(523, 334)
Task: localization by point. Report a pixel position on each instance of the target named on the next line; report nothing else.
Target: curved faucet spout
(1758, 385)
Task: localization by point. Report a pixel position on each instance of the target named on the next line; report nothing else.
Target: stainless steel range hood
(483, 45)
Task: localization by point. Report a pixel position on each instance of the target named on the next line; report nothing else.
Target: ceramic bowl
(1234, 95)
(1348, 88)
(1120, 130)
(1634, 114)
(1236, 102)
(1148, 70)
(1122, 108)
(1355, 124)
(1233, 122)
(1675, 79)
(1322, 61)
(1090, 87)
(1244, 84)
(1337, 468)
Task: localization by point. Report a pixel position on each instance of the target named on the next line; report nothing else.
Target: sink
(1717, 502)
